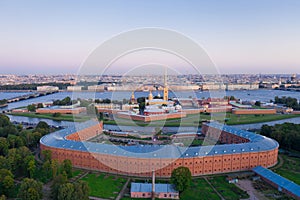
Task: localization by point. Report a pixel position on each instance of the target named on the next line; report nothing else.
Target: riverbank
(195, 120)
(252, 119)
(63, 117)
(190, 120)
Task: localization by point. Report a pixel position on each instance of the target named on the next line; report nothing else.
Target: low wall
(253, 111)
(150, 118)
(61, 111)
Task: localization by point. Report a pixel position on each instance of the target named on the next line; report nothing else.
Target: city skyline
(240, 37)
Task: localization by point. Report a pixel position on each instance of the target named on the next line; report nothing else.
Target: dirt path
(47, 190)
(123, 190)
(79, 176)
(280, 162)
(247, 186)
(222, 198)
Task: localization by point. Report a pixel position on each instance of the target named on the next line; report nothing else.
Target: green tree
(287, 135)
(6, 181)
(30, 189)
(65, 192)
(26, 155)
(15, 141)
(31, 168)
(66, 101)
(35, 138)
(3, 146)
(54, 167)
(4, 120)
(142, 104)
(67, 167)
(3, 101)
(232, 98)
(56, 184)
(266, 130)
(31, 108)
(47, 154)
(47, 170)
(81, 190)
(42, 125)
(56, 114)
(40, 105)
(4, 163)
(101, 116)
(19, 127)
(181, 177)
(6, 130)
(13, 159)
(257, 103)
(107, 101)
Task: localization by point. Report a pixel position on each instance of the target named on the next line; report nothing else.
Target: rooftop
(147, 187)
(257, 143)
(282, 183)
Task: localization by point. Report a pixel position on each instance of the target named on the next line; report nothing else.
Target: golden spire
(150, 97)
(166, 92)
(132, 99)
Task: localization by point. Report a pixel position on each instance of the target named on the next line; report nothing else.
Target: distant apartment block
(229, 86)
(74, 88)
(96, 88)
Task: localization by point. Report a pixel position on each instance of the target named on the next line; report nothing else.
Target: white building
(45, 88)
(74, 88)
(96, 88)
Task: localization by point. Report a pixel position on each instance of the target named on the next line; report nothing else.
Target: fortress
(243, 151)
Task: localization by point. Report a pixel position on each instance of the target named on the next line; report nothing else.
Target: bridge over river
(30, 96)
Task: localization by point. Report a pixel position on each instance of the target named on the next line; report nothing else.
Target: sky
(240, 36)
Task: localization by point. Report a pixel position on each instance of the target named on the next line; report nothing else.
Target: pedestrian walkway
(121, 194)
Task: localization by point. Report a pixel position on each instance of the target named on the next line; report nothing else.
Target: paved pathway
(280, 162)
(79, 176)
(222, 198)
(123, 190)
(247, 186)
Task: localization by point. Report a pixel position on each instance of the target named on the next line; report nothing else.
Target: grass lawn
(194, 119)
(104, 186)
(227, 190)
(250, 119)
(290, 168)
(63, 117)
(233, 119)
(76, 172)
(199, 190)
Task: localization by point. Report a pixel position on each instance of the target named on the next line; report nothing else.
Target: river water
(249, 95)
(252, 95)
